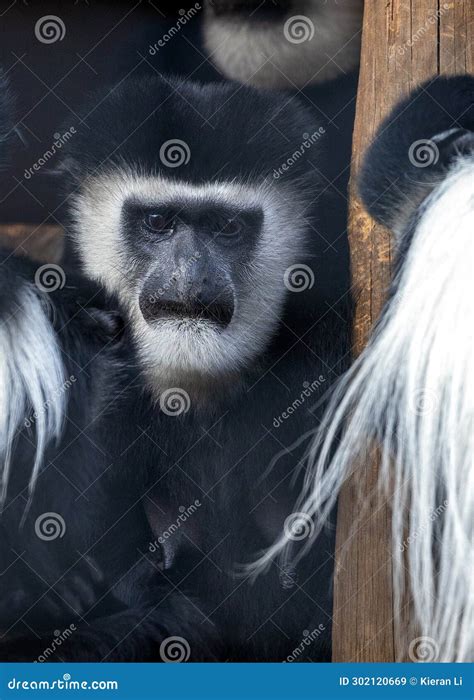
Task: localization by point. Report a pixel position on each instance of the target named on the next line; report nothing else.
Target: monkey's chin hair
(194, 355)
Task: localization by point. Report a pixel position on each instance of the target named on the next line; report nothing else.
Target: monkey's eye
(159, 223)
(231, 228)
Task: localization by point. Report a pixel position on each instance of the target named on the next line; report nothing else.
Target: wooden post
(403, 44)
(42, 243)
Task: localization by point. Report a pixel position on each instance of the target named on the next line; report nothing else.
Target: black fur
(258, 9)
(6, 116)
(391, 185)
(96, 479)
(231, 133)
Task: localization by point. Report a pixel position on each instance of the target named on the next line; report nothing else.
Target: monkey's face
(199, 269)
(196, 248)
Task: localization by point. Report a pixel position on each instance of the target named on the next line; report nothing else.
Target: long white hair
(412, 393)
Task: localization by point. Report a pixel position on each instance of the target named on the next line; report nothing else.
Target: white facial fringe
(31, 377)
(412, 392)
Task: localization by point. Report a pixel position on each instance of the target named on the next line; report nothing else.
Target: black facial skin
(191, 257)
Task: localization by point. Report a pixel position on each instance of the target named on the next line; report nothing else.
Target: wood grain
(403, 44)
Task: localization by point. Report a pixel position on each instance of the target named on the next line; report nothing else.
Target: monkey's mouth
(218, 313)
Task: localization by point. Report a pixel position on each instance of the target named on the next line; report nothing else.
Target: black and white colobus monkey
(200, 246)
(412, 390)
(216, 264)
(155, 224)
(283, 43)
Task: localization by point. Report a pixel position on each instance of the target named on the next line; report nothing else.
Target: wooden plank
(403, 44)
(43, 243)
